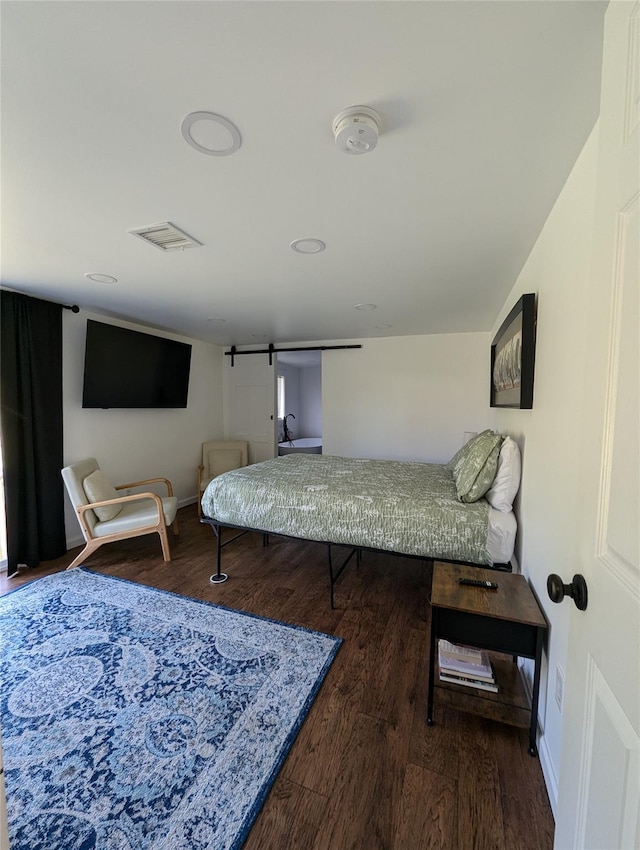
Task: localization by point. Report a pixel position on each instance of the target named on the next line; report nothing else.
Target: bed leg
(265, 539)
(331, 578)
(334, 576)
(218, 577)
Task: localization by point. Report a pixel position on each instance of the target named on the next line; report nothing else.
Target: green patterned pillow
(451, 463)
(474, 472)
(461, 454)
(484, 478)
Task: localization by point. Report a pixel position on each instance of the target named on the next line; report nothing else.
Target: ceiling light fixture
(308, 245)
(356, 129)
(101, 278)
(366, 307)
(211, 134)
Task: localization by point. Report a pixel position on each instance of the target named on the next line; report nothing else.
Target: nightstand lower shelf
(510, 705)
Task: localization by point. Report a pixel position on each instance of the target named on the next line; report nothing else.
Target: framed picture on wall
(513, 355)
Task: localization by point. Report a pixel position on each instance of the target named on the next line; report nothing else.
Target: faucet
(288, 437)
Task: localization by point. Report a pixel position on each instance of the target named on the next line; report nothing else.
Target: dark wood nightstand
(507, 620)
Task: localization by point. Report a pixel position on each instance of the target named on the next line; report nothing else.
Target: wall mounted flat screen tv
(124, 368)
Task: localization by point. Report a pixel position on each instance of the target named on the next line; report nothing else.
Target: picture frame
(513, 357)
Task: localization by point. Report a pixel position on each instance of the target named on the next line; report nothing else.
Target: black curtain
(31, 421)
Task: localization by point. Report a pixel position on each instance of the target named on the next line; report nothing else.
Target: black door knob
(577, 590)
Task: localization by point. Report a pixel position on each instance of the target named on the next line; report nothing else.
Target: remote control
(474, 582)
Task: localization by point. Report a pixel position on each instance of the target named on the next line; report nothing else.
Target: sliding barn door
(251, 393)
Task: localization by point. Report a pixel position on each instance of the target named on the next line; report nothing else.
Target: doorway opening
(299, 401)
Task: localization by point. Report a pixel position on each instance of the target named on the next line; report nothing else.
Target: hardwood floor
(365, 772)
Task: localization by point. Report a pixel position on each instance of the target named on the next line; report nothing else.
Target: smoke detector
(356, 129)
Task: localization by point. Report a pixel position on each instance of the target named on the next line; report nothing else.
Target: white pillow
(99, 489)
(505, 485)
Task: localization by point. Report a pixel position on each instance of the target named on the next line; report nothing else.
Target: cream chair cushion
(99, 489)
(220, 456)
(221, 460)
(135, 514)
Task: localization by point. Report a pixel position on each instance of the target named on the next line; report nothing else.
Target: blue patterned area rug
(134, 719)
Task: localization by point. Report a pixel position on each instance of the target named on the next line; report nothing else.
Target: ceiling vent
(166, 236)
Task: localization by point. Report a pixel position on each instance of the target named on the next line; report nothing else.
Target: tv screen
(124, 368)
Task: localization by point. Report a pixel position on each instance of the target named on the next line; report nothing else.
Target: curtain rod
(271, 350)
(73, 307)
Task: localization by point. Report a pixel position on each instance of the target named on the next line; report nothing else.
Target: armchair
(105, 516)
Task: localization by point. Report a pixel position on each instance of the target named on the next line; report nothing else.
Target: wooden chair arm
(81, 509)
(147, 481)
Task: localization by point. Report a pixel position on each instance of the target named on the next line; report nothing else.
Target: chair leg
(166, 551)
(199, 492)
(174, 525)
(91, 546)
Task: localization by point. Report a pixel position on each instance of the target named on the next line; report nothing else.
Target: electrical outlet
(559, 687)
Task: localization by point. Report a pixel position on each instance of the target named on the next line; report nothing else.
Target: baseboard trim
(549, 773)
(546, 763)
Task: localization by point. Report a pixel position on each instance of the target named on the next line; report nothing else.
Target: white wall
(137, 444)
(405, 398)
(559, 271)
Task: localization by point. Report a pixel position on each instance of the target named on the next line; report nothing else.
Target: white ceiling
(485, 107)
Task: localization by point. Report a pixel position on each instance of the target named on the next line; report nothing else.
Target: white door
(599, 787)
(251, 391)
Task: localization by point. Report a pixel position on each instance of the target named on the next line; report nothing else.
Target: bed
(431, 511)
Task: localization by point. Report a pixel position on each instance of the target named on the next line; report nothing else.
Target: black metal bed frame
(334, 574)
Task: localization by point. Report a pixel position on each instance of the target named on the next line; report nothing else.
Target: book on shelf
(490, 678)
(481, 684)
(464, 661)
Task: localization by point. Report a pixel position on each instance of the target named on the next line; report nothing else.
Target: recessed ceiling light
(215, 319)
(366, 307)
(211, 134)
(307, 246)
(101, 278)
(383, 327)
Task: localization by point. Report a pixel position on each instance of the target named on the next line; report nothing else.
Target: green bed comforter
(409, 508)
